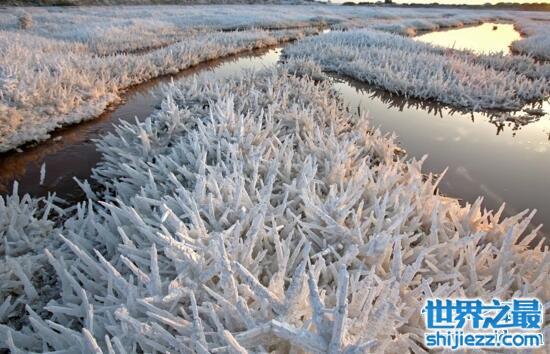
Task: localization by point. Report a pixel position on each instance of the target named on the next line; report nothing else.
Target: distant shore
(143, 2)
(497, 6)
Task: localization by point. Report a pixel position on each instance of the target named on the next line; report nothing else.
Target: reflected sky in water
(483, 39)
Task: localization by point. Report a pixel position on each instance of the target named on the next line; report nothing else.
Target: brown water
(483, 39)
(501, 161)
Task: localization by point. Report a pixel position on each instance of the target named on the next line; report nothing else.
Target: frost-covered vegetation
(407, 67)
(47, 83)
(62, 65)
(411, 27)
(258, 215)
(537, 43)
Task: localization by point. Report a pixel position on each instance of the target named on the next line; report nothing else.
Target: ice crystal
(254, 214)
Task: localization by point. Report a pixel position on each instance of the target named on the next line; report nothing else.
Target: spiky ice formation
(26, 228)
(401, 65)
(259, 215)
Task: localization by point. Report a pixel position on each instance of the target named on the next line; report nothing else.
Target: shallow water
(483, 39)
(500, 161)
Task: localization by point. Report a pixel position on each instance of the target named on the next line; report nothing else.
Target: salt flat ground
(247, 214)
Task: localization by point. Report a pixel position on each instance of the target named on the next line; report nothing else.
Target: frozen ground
(254, 214)
(63, 65)
(414, 69)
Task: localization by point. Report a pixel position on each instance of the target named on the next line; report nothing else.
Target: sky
(468, 2)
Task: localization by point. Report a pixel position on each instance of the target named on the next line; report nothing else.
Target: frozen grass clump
(420, 70)
(537, 46)
(25, 21)
(537, 42)
(410, 27)
(257, 214)
(304, 67)
(27, 226)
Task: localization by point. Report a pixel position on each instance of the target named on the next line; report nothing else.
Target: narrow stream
(501, 161)
(72, 153)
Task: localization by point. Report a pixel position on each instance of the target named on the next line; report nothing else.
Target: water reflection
(513, 121)
(483, 39)
(503, 161)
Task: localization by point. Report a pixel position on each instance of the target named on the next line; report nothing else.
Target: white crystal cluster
(407, 67)
(252, 215)
(26, 228)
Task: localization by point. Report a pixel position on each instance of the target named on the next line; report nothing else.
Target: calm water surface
(483, 39)
(501, 161)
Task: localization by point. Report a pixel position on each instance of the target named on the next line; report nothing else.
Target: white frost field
(413, 69)
(63, 65)
(47, 83)
(254, 214)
